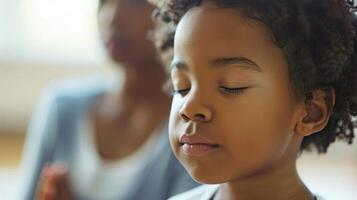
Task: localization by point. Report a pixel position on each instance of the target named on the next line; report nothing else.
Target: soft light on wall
(63, 31)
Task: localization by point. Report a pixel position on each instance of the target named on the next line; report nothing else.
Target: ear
(316, 112)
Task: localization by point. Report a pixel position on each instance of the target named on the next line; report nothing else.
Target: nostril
(185, 117)
(197, 117)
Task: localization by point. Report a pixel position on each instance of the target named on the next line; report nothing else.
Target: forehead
(209, 29)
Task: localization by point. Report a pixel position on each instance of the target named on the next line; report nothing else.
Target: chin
(208, 179)
(206, 176)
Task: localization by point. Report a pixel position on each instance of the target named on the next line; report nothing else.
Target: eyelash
(233, 90)
(223, 89)
(180, 92)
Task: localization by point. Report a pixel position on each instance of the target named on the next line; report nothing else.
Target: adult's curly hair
(319, 40)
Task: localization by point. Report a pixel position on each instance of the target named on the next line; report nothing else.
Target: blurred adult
(92, 138)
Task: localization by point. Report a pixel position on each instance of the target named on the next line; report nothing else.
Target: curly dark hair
(319, 40)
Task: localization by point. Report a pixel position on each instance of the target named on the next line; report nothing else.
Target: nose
(194, 109)
(119, 16)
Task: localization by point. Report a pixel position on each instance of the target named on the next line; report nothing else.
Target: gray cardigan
(53, 133)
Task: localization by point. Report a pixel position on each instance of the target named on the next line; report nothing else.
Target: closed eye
(229, 90)
(169, 88)
(181, 92)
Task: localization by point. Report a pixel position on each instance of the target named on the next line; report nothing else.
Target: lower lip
(197, 149)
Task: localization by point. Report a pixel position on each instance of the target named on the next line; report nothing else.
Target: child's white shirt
(205, 192)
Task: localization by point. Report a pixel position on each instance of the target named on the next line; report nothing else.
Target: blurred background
(43, 41)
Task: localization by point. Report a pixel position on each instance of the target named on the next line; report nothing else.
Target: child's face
(235, 113)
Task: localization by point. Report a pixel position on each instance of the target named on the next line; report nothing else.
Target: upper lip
(195, 139)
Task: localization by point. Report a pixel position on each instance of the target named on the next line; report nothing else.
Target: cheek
(258, 127)
(140, 26)
(174, 121)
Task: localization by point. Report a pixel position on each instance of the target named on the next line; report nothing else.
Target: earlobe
(317, 110)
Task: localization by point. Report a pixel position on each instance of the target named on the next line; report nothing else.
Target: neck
(281, 183)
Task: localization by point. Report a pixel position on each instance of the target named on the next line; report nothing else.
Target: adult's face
(124, 27)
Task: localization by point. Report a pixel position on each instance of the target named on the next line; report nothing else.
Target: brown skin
(258, 129)
(140, 105)
(54, 184)
(132, 113)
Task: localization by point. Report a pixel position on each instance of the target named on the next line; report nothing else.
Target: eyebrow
(240, 62)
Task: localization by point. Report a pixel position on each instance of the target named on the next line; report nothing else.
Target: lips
(195, 145)
(195, 139)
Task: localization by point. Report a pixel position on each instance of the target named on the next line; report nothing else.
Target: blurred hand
(53, 184)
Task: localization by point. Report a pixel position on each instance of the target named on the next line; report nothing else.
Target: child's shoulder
(203, 192)
(206, 192)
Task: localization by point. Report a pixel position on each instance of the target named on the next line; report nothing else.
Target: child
(255, 83)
